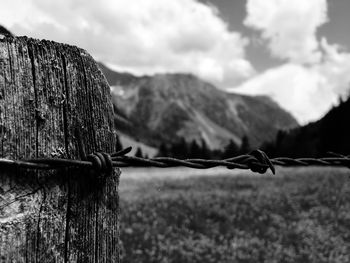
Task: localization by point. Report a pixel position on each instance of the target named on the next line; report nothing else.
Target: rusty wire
(257, 161)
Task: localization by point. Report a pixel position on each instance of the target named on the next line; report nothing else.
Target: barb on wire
(257, 161)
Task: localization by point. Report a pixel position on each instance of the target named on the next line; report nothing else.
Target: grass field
(299, 215)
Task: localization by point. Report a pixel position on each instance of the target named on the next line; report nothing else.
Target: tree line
(183, 149)
(193, 149)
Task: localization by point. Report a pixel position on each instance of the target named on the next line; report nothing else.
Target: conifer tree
(179, 149)
(205, 151)
(245, 145)
(231, 150)
(163, 150)
(194, 151)
(139, 153)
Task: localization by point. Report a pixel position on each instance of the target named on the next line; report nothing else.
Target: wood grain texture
(49, 94)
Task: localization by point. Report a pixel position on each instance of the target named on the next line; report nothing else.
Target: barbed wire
(257, 161)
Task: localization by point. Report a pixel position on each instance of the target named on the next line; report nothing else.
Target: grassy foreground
(300, 215)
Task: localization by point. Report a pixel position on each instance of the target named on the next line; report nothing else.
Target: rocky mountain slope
(166, 107)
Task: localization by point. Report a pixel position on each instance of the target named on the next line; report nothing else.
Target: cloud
(315, 72)
(307, 92)
(141, 36)
(155, 36)
(296, 88)
(335, 67)
(289, 27)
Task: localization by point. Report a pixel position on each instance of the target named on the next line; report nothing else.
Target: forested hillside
(331, 133)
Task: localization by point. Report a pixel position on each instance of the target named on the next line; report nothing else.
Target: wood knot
(39, 116)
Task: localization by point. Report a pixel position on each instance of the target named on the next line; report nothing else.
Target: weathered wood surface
(50, 93)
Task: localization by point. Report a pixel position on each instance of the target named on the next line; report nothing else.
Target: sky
(296, 52)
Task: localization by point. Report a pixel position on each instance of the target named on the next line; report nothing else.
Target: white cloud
(315, 74)
(307, 92)
(153, 36)
(335, 67)
(140, 36)
(289, 26)
(296, 88)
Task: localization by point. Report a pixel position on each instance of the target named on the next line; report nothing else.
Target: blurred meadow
(218, 215)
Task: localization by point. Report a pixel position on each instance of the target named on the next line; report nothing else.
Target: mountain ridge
(167, 107)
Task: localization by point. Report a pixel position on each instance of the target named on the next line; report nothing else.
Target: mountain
(329, 134)
(116, 78)
(167, 107)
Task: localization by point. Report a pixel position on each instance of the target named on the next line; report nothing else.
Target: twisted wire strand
(257, 161)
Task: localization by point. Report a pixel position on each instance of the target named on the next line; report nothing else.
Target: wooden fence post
(51, 94)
